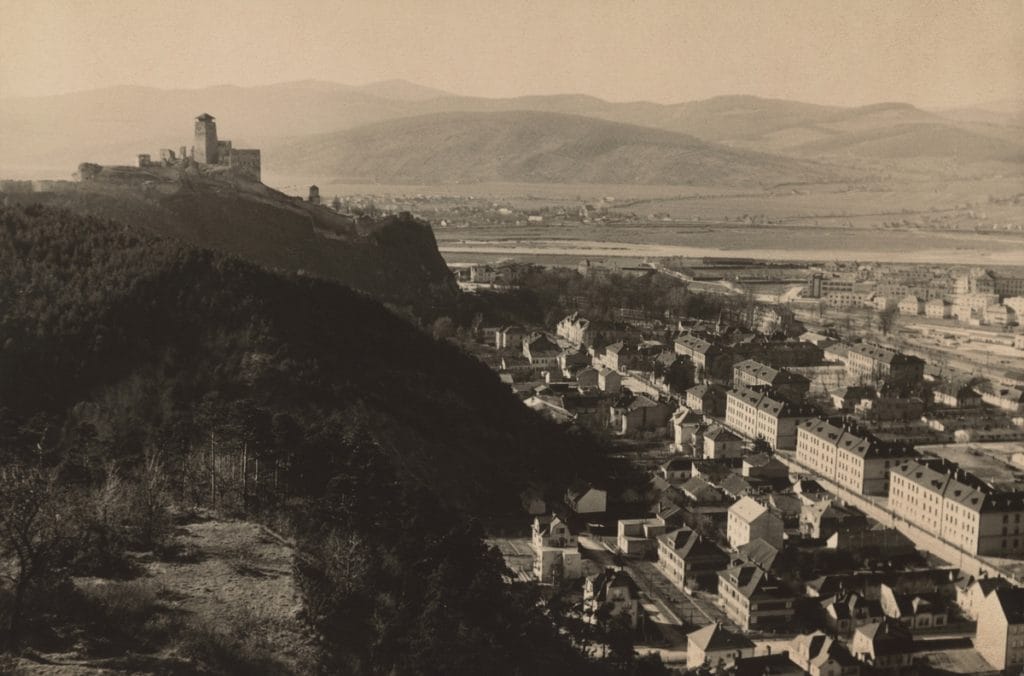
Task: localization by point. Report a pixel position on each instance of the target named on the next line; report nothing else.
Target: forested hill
(114, 340)
(395, 258)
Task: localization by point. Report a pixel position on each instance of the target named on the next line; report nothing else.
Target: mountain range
(50, 135)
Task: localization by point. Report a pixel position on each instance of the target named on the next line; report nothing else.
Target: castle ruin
(210, 153)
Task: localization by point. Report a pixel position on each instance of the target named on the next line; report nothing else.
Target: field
(951, 222)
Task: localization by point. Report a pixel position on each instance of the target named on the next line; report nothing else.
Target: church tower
(206, 139)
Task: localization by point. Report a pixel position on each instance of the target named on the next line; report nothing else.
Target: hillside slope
(530, 147)
(394, 259)
(138, 338)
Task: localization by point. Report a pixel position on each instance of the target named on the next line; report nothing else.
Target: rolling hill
(46, 136)
(526, 146)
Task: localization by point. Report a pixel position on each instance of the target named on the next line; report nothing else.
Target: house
(999, 315)
(956, 395)
(676, 469)
(688, 560)
(821, 520)
(708, 399)
(821, 655)
(587, 377)
(636, 537)
(758, 553)
(764, 466)
(847, 611)
(711, 361)
(787, 506)
(509, 337)
(876, 541)
(854, 397)
(572, 362)
(638, 414)
(1000, 635)
(556, 553)
(914, 611)
(809, 490)
(884, 646)
(911, 305)
(938, 308)
(720, 442)
(714, 646)
(749, 520)
(971, 593)
(770, 664)
(610, 594)
(735, 486)
(608, 380)
(753, 599)
(701, 492)
(540, 351)
(753, 373)
(583, 498)
(685, 423)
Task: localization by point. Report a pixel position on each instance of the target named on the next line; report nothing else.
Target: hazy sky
(825, 51)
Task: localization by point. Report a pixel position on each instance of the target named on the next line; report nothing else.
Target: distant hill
(925, 140)
(47, 136)
(394, 259)
(530, 147)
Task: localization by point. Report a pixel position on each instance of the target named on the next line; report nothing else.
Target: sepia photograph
(512, 337)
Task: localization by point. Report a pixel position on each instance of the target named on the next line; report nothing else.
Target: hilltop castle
(210, 152)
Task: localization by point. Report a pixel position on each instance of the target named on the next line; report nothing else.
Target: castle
(210, 152)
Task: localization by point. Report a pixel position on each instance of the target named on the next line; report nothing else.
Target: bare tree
(33, 535)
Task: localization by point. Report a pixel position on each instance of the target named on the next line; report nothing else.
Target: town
(813, 499)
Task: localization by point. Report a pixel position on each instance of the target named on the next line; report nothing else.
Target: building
(608, 380)
(687, 560)
(556, 553)
(821, 655)
(758, 413)
(719, 442)
(509, 337)
(749, 520)
(821, 520)
(884, 646)
(582, 498)
(707, 399)
(639, 413)
(208, 150)
(685, 423)
(612, 594)
(540, 350)
(874, 363)
(972, 305)
(1003, 397)
(710, 360)
(636, 537)
(911, 305)
(998, 315)
(752, 373)
(914, 611)
(854, 459)
(676, 469)
(938, 308)
(314, 195)
(715, 647)
(1000, 635)
(956, 395)
(847, 611)
(958, 508)
(971, 593)
(753, 599)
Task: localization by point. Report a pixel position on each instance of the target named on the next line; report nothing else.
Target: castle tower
(314, 195)
(206, 139)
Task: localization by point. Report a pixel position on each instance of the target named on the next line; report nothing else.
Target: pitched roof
(748, 509)
(714, 637)
(1011, 600)
(758, 552)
